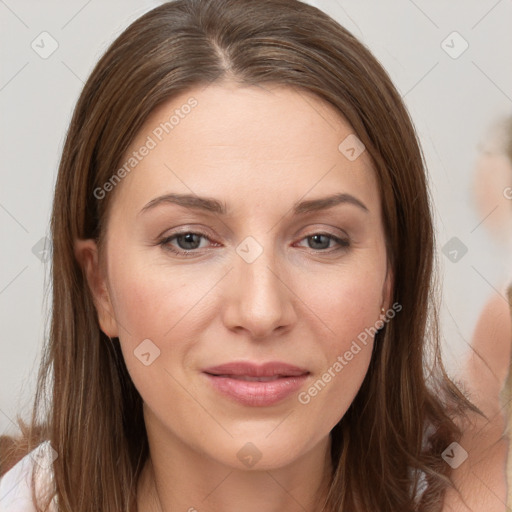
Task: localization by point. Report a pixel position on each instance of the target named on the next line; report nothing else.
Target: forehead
(225, 139)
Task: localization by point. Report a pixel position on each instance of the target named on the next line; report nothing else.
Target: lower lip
(257, 393)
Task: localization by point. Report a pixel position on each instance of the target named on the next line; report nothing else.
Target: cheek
(152, 300)
(345, 300)
(347, 307)
(152, 306)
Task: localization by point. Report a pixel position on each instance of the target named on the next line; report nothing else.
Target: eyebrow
(212, 205)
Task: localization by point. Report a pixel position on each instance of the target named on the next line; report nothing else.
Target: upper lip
(249, 369)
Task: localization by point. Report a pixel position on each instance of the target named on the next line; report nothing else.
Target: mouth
(256, 385)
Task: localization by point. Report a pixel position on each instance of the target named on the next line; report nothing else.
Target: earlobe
(86, 254)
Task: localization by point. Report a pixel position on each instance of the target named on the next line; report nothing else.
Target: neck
(187, 481)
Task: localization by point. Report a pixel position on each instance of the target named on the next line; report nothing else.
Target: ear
(86, 253)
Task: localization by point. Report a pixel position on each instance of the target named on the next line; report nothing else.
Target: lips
(256, 385)
(251, 379)
(252, 371)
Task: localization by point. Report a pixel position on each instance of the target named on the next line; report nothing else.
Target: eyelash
(344, 243)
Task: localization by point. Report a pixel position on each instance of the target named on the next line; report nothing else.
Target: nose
(260, 298)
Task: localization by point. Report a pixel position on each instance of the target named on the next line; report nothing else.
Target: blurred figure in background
(490, 361)
(491, 341)
(493, 196)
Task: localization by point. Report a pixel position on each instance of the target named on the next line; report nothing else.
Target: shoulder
(480, 479)
(15, 485)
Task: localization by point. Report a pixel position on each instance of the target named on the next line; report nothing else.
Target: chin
(263, 452)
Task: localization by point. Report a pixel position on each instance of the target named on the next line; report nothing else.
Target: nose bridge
(260, 301)
(255, 268)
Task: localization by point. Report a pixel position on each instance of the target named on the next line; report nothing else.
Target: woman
(256, 370)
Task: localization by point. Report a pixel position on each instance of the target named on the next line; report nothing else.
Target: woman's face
(274, 277)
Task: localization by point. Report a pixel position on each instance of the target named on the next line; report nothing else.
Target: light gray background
(452, 102)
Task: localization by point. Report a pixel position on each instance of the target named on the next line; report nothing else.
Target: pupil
(189, 239)
(315, 240)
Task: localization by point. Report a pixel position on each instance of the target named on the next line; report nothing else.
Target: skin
(259, 150)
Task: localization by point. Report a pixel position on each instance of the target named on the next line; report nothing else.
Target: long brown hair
(403, 416)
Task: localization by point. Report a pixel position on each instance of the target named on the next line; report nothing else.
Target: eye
(319, 244)
(189, 241)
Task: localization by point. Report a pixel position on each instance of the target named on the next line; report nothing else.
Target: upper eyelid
(196, 231)
(205, 231)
